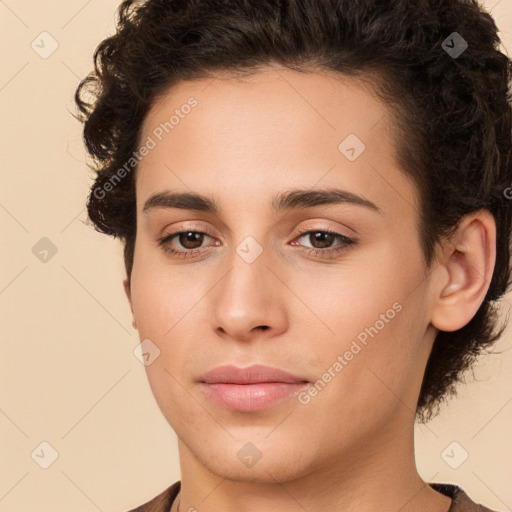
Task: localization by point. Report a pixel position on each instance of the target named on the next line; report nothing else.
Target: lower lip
(251, 397)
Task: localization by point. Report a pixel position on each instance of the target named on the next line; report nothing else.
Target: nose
(249, 301)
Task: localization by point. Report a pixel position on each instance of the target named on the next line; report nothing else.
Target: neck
(364, 478)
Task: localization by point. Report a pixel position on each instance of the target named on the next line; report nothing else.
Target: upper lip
(248, 375)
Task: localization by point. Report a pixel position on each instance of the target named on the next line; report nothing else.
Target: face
(328, 287)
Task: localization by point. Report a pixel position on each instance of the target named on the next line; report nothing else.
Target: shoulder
(461, 502)
(162, 502)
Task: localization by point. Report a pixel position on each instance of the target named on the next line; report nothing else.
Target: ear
(128, 292)
(464, 271)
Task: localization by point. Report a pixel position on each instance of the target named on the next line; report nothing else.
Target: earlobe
(128, 292)
(466, 266)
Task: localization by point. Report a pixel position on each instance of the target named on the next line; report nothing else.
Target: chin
(263, 461)
(262, 473)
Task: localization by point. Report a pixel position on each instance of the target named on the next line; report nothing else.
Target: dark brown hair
(451, 107)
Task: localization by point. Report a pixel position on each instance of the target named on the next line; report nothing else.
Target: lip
(229, 374)
(250, 389)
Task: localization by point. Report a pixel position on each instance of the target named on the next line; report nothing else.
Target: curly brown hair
(453, 112)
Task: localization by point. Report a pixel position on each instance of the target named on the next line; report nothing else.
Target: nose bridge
(248, 274)
(246, 296)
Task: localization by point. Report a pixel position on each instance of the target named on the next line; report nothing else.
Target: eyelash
(345, 242)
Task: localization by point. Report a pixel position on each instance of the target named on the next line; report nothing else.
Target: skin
(352, 446)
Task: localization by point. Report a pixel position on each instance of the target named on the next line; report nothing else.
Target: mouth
(252, 388)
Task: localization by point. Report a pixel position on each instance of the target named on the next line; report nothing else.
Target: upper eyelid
(310, 225)
(302, 232)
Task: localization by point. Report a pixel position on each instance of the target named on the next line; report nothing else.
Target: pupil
(318, 238)
(324, 239)
(190, 237)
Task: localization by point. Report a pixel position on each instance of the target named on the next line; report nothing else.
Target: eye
(322, 241)
(191, 242)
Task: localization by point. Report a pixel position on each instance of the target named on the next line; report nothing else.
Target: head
(240, 102)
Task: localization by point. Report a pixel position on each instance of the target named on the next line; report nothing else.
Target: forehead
(275, 129)
(273, 101)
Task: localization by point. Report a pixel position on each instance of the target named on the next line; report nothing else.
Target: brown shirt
(460, 500)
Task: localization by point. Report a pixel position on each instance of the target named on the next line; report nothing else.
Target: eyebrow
(291, 199)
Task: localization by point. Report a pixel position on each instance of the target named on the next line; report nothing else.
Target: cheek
(343, 300)
(167, 307)
(161, 298)
(370, 314)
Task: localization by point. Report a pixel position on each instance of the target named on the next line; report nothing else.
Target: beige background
(69, 376)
